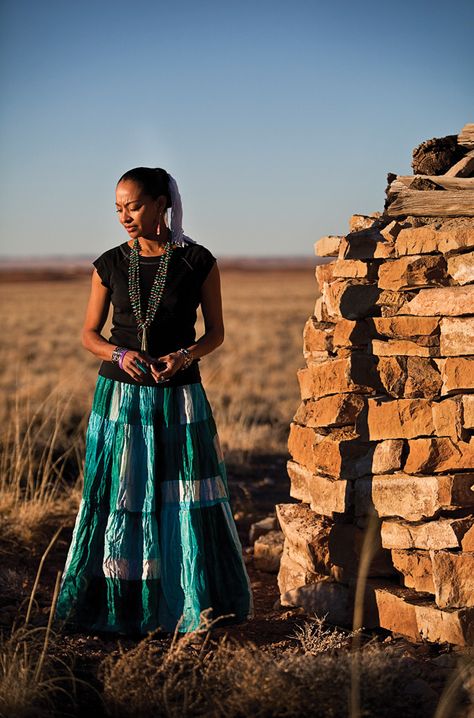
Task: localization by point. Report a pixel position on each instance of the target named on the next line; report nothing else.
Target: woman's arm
(211, 306)
(92, 339)
(96, 315)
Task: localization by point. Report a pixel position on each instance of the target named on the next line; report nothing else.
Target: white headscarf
(176, 228)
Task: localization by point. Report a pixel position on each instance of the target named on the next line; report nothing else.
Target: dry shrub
(235, 680)
(12, 583)
(186, 680)
(315, 637)
(155, 679)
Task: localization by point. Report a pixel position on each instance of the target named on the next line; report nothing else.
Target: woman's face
(138, 212)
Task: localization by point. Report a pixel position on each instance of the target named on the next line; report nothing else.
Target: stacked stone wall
(384, 432)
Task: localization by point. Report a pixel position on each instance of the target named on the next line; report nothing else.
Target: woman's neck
(151, 247)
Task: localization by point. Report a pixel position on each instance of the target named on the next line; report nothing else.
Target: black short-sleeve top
(174, 323)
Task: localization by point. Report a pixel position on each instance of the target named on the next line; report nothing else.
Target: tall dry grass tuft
(33, 681)
(367, 554)
(31, 462)
(29, 684)
(37, 447)
(38, 573)
(458, 689)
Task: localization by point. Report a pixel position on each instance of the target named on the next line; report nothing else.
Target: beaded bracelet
(120, 363)
(188, 358)
(118, 355)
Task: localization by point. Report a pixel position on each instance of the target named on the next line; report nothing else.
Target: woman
(154, 542)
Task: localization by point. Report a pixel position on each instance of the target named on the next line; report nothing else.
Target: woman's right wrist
(118, 355)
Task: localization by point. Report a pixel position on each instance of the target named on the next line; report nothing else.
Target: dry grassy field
(283, 664)
(250, 379)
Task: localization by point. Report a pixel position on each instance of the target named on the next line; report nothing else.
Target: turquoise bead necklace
(156, 290)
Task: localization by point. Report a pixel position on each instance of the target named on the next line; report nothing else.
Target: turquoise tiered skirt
(154, 541)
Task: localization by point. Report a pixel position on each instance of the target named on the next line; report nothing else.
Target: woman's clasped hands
(139, 363)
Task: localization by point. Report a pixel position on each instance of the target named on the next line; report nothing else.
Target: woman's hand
(130, 365)
(173, 363)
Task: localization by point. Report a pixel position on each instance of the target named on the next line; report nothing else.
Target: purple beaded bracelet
(122, 354)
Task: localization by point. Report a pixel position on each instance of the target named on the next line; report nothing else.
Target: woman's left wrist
(188, 357)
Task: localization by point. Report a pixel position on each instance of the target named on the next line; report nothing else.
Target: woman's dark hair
(152, 180)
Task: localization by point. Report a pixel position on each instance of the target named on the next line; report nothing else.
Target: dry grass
(26, 691)
(33, 681)
(229, 679)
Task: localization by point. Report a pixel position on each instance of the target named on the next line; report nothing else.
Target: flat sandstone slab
(443, 533)
(324, 495)
(438, 453)
(336, 410)
(332, 548)
(418, 617)
(413, 497)
(457, 374)
(461, 267)
(406, 377)
(328, 246)
(410, 418)
(403, 347)
(334, 454)
(405, 327)
(291, 575)
(356, 373)
(413, 271)
(428, 239)
(457, 336)
(468, 411)
(453, 576)
(444, 301)
(416, 569)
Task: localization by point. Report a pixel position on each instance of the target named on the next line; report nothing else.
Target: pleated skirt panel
(154, 541)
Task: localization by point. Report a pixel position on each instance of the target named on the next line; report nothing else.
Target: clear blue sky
(278, 119)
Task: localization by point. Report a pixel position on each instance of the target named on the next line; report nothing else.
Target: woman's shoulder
(106, 262)
(198, 254)
(200, 258)
(112, 253)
